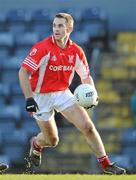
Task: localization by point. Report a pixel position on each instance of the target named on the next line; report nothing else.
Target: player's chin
(57, 37)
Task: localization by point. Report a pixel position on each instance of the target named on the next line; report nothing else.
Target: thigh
(78, 116)
(63, 100)
(44, 102)
(48, 128)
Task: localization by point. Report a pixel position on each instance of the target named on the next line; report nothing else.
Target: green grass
(66, 177)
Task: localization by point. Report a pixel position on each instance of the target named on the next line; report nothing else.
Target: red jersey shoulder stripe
(31, 66)
(30, 63)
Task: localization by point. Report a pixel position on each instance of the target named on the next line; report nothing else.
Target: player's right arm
(31, 105)
(30, 65)
(25, 83)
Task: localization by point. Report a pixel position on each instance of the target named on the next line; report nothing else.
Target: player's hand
(31, 105)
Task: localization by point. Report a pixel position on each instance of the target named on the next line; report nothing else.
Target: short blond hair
(68, 17)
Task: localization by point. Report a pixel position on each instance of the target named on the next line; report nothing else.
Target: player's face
(60, 30)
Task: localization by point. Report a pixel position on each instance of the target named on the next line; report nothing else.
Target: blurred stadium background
(107, 32)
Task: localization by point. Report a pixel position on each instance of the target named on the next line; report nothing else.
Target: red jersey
(52, 68)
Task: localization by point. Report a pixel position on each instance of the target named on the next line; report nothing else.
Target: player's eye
(60, 25)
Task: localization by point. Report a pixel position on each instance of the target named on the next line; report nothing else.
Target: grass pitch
(66, 177)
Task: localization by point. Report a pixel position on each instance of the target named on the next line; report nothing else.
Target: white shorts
(49, 102)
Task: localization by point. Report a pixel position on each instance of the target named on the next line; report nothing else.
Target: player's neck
(62, 43)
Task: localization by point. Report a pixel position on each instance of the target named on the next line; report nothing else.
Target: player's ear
(70, 29)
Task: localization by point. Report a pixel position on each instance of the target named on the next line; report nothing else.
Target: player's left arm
(88, 80)
(82, 68)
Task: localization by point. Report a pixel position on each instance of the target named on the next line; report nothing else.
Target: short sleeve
(32, 60)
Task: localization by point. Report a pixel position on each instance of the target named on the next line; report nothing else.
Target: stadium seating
(21, 53)
(13, 63)
(42, 29)
(40, 15)
(95, 29)
(17, 28)
(17, 137)
(26, 39)
(16, 90)
(122, 160)
(133, 105)
(2, 22)
(6, 39)
(17, 157)
(10, 111)
(4, 54)
(30, 127)
(81, 37)
(94, 13)
(129, 137)
(4, 90)
(7, 126)
(9, 76)
(16, 16)
(5, 159)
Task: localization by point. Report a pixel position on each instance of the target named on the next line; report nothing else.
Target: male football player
(45, 76)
